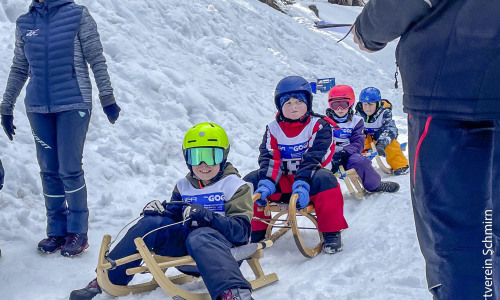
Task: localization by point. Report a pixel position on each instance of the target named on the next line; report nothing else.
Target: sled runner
(385, 169)
(353, 182)
(157, 266)
(289, 210)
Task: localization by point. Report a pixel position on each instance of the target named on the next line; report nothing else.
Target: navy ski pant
(455, 190)
(59, 139)
(209, 249)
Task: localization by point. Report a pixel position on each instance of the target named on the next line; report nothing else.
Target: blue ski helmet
(370, 94)
(293, 84)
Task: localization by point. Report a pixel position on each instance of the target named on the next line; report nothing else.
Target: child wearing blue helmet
(296, 148)
(381, 129)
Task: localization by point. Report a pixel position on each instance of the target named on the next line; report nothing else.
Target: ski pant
(455, 190)
(394, 156)
(208, 247)
(363, 166)
(325, 194)
(59, 139)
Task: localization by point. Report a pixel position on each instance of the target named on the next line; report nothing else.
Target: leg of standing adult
(211, 251)
(495, 182)
(451, 163)
(72, 129)
(43, 127)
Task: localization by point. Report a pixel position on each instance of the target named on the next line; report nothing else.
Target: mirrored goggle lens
(210, 156)
(336, 104)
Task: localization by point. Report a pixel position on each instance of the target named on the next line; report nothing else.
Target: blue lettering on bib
(293, 151)
(343, 133)
(213, 202)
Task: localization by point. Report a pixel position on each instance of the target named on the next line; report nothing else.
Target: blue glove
(153, 208)
(301, 188)
(112, 111)
(266, 188)
(198, 213)
(8, 126)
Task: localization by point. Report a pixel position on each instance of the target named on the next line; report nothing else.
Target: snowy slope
(174, 64)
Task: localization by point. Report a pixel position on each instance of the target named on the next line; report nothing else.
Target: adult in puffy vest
(449, 57)
(55, 40)
(218, 204)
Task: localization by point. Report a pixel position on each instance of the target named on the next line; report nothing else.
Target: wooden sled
(157, 265)
(290, 210)
(353, 182)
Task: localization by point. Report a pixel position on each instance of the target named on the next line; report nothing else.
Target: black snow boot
(76, 243)
(236, 294)
(87, 293)
(332, 242)
(387, 187)
(402, 171)
(51, 244)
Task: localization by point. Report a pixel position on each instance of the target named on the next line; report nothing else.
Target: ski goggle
(210, 155)
(336, 104)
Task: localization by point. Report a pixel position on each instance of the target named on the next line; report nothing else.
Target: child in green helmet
(219, 204)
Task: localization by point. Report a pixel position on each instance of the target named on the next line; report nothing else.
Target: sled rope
(114, 240)
(165, 227)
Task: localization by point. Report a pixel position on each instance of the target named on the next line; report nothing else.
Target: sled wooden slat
(291, 212)
(156, 265)
(353, 182)
(380, 163)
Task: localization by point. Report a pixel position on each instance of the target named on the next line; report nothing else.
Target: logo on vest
(82, 113)
(33, 32)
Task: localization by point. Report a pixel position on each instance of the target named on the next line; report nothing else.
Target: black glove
(339, 159)
(153, 208)
(198, 213)
(8, 126)
(381, 145)
(112, 112)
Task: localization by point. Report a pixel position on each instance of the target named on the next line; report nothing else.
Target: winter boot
(87, 293)
(387, 187)
(258, 236)
(51, 244)
(402, 171)
(332, 242)
(76, 243)
(235, 294)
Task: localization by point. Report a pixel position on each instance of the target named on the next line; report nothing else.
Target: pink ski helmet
(341, 92)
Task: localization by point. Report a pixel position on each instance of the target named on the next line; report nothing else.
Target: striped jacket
(296, 148)
(54, 42)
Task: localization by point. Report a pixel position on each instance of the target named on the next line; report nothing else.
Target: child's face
(294, 109)
(206, 172)
(341, 111)
(369, 108)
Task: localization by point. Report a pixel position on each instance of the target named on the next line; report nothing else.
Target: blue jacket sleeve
(382, 21)
(357, 140)
(17, 76)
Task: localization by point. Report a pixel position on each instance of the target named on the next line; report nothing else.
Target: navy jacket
(448, 54)
(54, 42)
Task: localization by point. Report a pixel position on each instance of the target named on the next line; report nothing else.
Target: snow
(177, 63)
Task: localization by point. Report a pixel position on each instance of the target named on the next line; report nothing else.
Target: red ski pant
(325, 194)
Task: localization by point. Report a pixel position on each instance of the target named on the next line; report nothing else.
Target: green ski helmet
(205, 142)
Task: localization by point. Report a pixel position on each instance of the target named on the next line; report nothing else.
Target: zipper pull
(396, 77)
